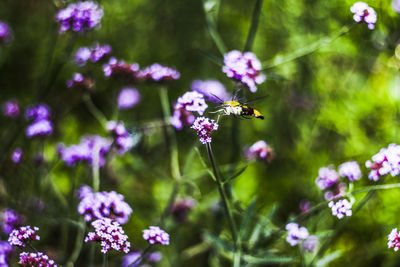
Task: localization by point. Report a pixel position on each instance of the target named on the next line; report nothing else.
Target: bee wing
(220, 101)
(255, 100)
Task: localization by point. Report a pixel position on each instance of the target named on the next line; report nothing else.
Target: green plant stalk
(96, 169)
(78, 244)
(142, 255)
(105, 260)
(94, 110)
(255, 19)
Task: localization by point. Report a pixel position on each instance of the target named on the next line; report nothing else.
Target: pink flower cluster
(19, 236)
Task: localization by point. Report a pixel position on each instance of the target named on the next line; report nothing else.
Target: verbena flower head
(104, 205)
(80, 82)
(386, 161)
(192, 101)
(16, 155)
(37, 112)
(82, 55)
(130, 258)
(23, 234)
(335, 191)
(341, 208)
(244, 67)
(327, 177)
(181, 117)
(35, 259)
(394, 240)
(351, 170)
(39, 128)
(84, 191)
(181, 207)
(296, 234)
(363, 12)
(11, 109)
(5, 33)
(120, 69)
(304, 205)
(260, 150)
(128, 98)
(123, 141)
(79, 17)
(110, 235)
(5, 253)
(156, 235)
(158, 73)
(90, 147)
(95, 53)
(310, 244)
(10, 219)
(396, 5)
(211, 89)
(204, 127)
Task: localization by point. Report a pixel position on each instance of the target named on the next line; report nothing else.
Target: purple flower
(327, 177)
(84, 191)
(37, 112)
(304, 205)
(42, 127)
(120, 69)
(394, 239)
(181, 117)
(211, 89)
(128, 98)
(158, 73)
(5, 33)
(79, 17)
(19, 236)
(260, 150)
(11, 109)
(310, 244)
(5, 253)
(90, 147)
(104, 205)
(35, 259)
(192, 101)
(204, 127)
(156, 235)
(78, 81)
(295, 234)
(243, 67)
(362, 12)
(130, 258)
(181, 207)
(386, 161)
(16, 155)
(82, 55)
(396, 5)
(336, 191)
(341, 208)
(95, 53)
(10, 220)
(110, 235)
(351, 170)
(123, 141)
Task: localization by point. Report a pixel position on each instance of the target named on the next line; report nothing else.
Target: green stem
(94, 110)
(95, 168)
(212, 29)
(254, 25)
(376, 187)
(142, 255)
(105, 260)
(78, 243)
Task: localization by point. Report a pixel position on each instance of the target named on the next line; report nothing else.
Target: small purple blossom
(10, 219)
(396, 5)
(35, 259)
(130, 258)
(156, 235)
(211, 89)
(11, 109)
(192, 101)
(181, 207)
(296, 234)
(351, 170)
(310, 244)
(79, 17)
(244, 67)
(78, 81)
(41, 128)
(394, 240)
(181, 117)
(5, 253)
(5, 33)
(90, 147)
(260, 150)
(363, 12)
(341, 208)
(37, 112)
(104, 205)
(120, 69)
(110, 235)
(19, 236)
(336, 191)
(384, 162)
(16, 155)
(327, 177)
(82, 55)
(158, 73)
(95, 53)
(304, 206)
(84, 191)
(123, 141)
(204, 127)
(128, 98)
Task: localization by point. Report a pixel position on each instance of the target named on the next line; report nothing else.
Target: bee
(235, 108)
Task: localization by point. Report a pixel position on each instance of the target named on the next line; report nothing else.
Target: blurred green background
(335, 99)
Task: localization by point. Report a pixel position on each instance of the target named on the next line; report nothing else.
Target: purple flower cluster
(396, 5)
(244, 67)
(123, 141)
(5, 252)
(110, 235)
(128, 98)
(95, 53)
(16, 155)
(120, 69)
(158, 73)
(386, 161)
(260, 150)
(5, 33)
(90, 147)
(204, 127)
(296, 234)
(130, 258)
(36, 259)
(181, 207)
(211, 89)
(103, 205)
(11, 109)
(351, 170)
(341, 208)
(156, 235)
(394, 240)
(78, 81)
(41, 125)
(23, 234)
(181, 118)
(363, 12)
(328, 180)
(10, 219)
(79, 17)
(310, 244)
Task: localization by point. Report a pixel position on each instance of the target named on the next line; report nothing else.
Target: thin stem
(95, 167)
(105, 260)
(142, 255)
(254, 25)
(211, 26)
(171, 201)
(94, 110)
(78, 244)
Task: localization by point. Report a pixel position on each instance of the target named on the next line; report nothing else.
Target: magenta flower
(10, 219)
(192, 101)
(386, 161)
(260, 150)
(128, 98)
(363, 12)
(181, 207)
(5, 33)
(19, 236)
(296, 234)
(204, 127)
(158, 73)
(95, 53)
(16, 155)
(120, 69)
(123, 141)
(35, 259)
(156, 235)
(341, 208)
(327, 177)
(11, 109)
(181, 117)
(394, 239)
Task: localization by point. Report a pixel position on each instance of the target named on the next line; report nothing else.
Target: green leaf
(216, 241)
(235, 175)
(269, 259)
(261, 225)
(205, 165)
(211, 8)
(254, 25)
(248, 216)
(329, 258)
